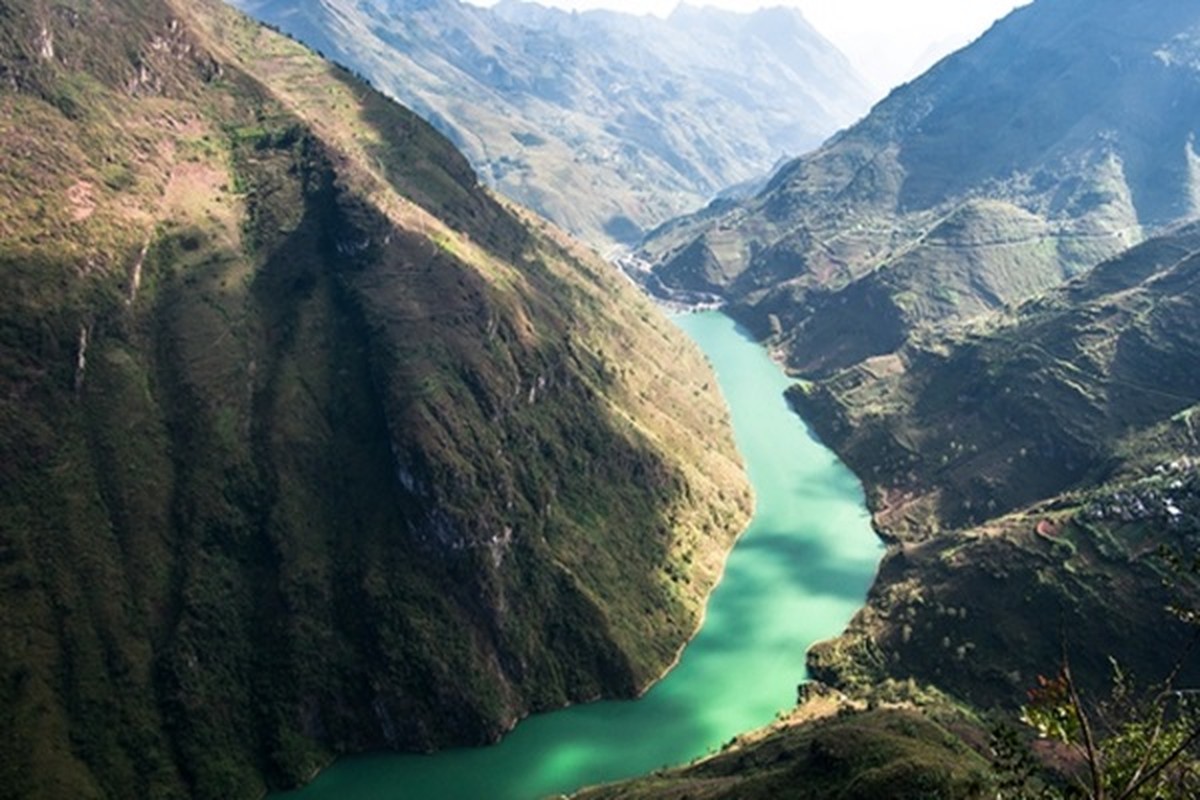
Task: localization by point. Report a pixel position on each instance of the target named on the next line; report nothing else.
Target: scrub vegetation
(831, 747)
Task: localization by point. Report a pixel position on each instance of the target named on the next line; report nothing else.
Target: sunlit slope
(1058, 139)
(607, 123)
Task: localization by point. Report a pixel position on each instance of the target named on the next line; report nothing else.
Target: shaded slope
(1054, 141)
(607, 123)
(309, 444)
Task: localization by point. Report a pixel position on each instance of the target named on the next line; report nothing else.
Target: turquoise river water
(798, 574)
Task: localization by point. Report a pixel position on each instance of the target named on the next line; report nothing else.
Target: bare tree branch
(1093, 756)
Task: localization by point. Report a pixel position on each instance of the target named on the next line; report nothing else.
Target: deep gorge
(797, 575)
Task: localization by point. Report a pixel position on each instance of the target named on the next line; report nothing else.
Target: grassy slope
(828, 748)
(960, 427)
(981, 613)
(308, 443)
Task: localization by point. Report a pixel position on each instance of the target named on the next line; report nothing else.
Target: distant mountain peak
(606, 122)
(1080, 116)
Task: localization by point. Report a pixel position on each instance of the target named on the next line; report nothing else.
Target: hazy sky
(889, 41)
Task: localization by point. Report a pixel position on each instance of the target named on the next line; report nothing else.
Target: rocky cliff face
(309, 443)
(607, 123)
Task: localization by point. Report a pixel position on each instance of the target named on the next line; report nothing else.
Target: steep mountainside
(607, 123)
(308, 444)
(1056, 140)
(1055, 450)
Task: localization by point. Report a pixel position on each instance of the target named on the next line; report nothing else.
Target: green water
(798, 574)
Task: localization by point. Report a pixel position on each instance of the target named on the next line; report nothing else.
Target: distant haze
(889, 42)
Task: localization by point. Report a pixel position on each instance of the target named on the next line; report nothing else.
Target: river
(798, 574)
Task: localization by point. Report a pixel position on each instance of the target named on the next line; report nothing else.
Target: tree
(1134, 746)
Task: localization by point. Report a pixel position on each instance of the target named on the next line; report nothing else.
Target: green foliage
(1137, 744)
(1050, 710)
(1017, 772)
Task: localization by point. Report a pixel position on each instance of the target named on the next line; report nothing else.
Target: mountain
(1030, 468)
(607, 123)
(308, 443)
(1018, 407)
(1061, 137)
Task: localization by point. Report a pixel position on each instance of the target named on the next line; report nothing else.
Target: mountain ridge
(607, 123)
(301, 425)
(1063, 140)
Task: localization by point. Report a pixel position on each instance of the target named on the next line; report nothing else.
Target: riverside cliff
(310, 444)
